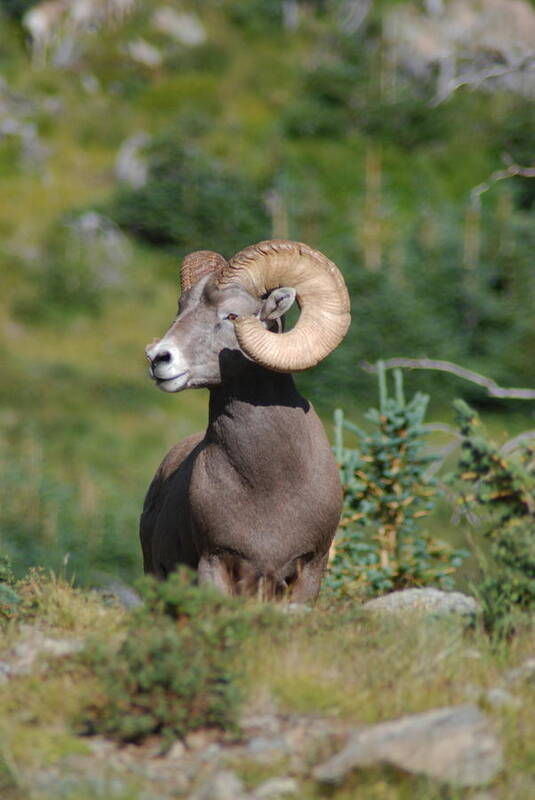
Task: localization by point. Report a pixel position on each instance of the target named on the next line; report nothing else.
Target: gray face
(202, 337)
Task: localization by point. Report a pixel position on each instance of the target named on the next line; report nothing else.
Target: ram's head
(232, 311)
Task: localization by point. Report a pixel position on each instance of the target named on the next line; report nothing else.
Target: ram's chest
(283, 511)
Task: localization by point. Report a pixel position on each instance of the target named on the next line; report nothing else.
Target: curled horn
(321, 294)
(197, 264)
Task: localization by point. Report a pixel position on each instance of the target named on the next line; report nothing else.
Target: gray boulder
(222, 785)
(131, 165)
(455, 745)
(424, 601)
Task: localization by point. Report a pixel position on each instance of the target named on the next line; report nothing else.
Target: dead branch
(510, 171)
(447, 366)
(475, 78)
(518, 441)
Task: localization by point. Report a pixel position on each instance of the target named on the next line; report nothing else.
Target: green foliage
(70, 524)
(386, 494)
(6, 573)
(502, 488)
(17, 8)
(191, 202)
(255, 16)
(9, 598)
(178, 668)
(362, 166)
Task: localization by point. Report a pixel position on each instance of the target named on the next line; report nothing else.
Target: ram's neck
(259, 423)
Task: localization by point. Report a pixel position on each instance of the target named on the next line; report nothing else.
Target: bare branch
(441, 457)
(519, 440)
(477, 77)
(442, 427)
(511, 169)
(447, 366)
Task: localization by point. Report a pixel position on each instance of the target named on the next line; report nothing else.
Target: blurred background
(397, 137)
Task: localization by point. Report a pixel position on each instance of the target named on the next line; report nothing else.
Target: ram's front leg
(214, 570)
(233, 574)
(307, 582)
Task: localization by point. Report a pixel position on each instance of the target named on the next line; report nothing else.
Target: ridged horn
(196, 265)
(321, 294)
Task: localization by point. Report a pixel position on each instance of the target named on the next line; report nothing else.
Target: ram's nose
(151, 348)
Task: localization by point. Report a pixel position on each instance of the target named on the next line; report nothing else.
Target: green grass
(333, 662)
(82, 430)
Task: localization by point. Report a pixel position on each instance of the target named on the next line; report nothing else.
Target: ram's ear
(277, 303)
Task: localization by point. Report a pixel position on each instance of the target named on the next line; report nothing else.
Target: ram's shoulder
(178, 454)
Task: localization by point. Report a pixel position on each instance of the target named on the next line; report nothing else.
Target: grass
(334, 662)
(82, 430)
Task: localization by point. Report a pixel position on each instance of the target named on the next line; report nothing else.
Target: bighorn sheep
(253, 502)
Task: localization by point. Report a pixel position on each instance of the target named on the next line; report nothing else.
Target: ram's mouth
(174, 383)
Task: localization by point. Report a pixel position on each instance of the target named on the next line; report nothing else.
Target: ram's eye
(231, 317)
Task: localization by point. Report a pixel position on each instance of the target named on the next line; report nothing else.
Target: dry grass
(333, 662)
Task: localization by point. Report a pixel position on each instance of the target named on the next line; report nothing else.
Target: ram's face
(231, 312)
(201, 343)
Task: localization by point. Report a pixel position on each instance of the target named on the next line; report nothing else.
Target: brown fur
(255, 501)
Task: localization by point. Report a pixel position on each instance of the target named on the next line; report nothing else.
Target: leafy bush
(17, 8)
(178, 667)
(191, 202)
(255, 16)
(502, 486)
(9, 598)
(386, 494)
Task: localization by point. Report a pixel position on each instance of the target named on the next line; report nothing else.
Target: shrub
(17, 8)
(502, 486)
(177, 669)
(386, 494)
(255, 16)
(9, 598)
(191, 201)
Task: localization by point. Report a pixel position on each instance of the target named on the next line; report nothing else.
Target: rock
(295, 609)
(33, 152)
(22, 658)
(223, 785)
(101, 747)
(184, 27)
(260, 724)
(276, 788)
(268, 748)
(176, 751)
(455, 745)
(201, 739)
(90, 83)
(124, 594)
(525, 672)
(144, 53)
(501, 698)
(55, 783)
(104, 246)
(496, 697)
(425, 601)
(470, 39)
(130, 166)
(483, 795)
